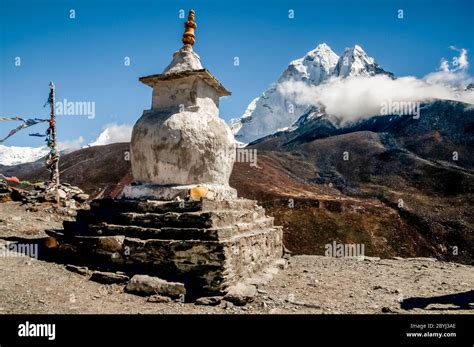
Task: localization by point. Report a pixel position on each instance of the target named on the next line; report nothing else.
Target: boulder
(158, 298)
(81, 197)
(209, 300)
(241, 294)
(62, 194)
(49, 196)
(147, 285)
(81, 270)
(108, 277)
(5, 197)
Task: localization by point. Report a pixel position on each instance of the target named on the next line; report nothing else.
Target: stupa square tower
(180, 220)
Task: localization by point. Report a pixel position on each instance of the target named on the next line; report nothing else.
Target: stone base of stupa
(208, 245)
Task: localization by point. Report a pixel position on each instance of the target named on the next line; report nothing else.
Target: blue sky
(85, 56)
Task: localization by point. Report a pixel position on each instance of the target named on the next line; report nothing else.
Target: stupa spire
(190, 25)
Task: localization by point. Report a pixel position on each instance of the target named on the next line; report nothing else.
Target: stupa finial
(190, 25)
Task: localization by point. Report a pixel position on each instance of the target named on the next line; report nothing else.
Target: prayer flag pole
(53, 158)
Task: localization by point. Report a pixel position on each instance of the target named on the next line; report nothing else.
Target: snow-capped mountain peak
(324, 55)
(356, 62)
(314, 67)
(113, 133)
(13, 155)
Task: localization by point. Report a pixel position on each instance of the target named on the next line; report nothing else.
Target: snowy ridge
(236, 124)
(311, 113)
(112, 133)
(12, 155)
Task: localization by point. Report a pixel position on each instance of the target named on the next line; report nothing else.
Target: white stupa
(180, 147)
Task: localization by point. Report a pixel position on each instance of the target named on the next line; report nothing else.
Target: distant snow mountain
(12, 155)
(272, 112)
(113, 133)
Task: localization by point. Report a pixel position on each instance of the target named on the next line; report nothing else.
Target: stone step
(261, 223)
(254, 233)
(125, 205)
(162, 234)
(102, 246)
(116, 243)
(238, 204)
(214, 219)
(155, 206)
(167, 233)
(75, 228)
(56, 233)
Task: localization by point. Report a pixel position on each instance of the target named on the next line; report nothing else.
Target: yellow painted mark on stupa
(198, 192)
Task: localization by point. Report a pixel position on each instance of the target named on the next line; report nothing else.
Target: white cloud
(461, 62)
(454, 73)
(355, 98)
(113, 133)
(458, 63)
(70, 144)
(444, 65)
(457, 79)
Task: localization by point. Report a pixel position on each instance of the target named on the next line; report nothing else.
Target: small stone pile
(66, 195)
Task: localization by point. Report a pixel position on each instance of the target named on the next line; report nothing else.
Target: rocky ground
(16, 220)
(310, 284)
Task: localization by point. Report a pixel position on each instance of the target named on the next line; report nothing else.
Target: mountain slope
(444, 127)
